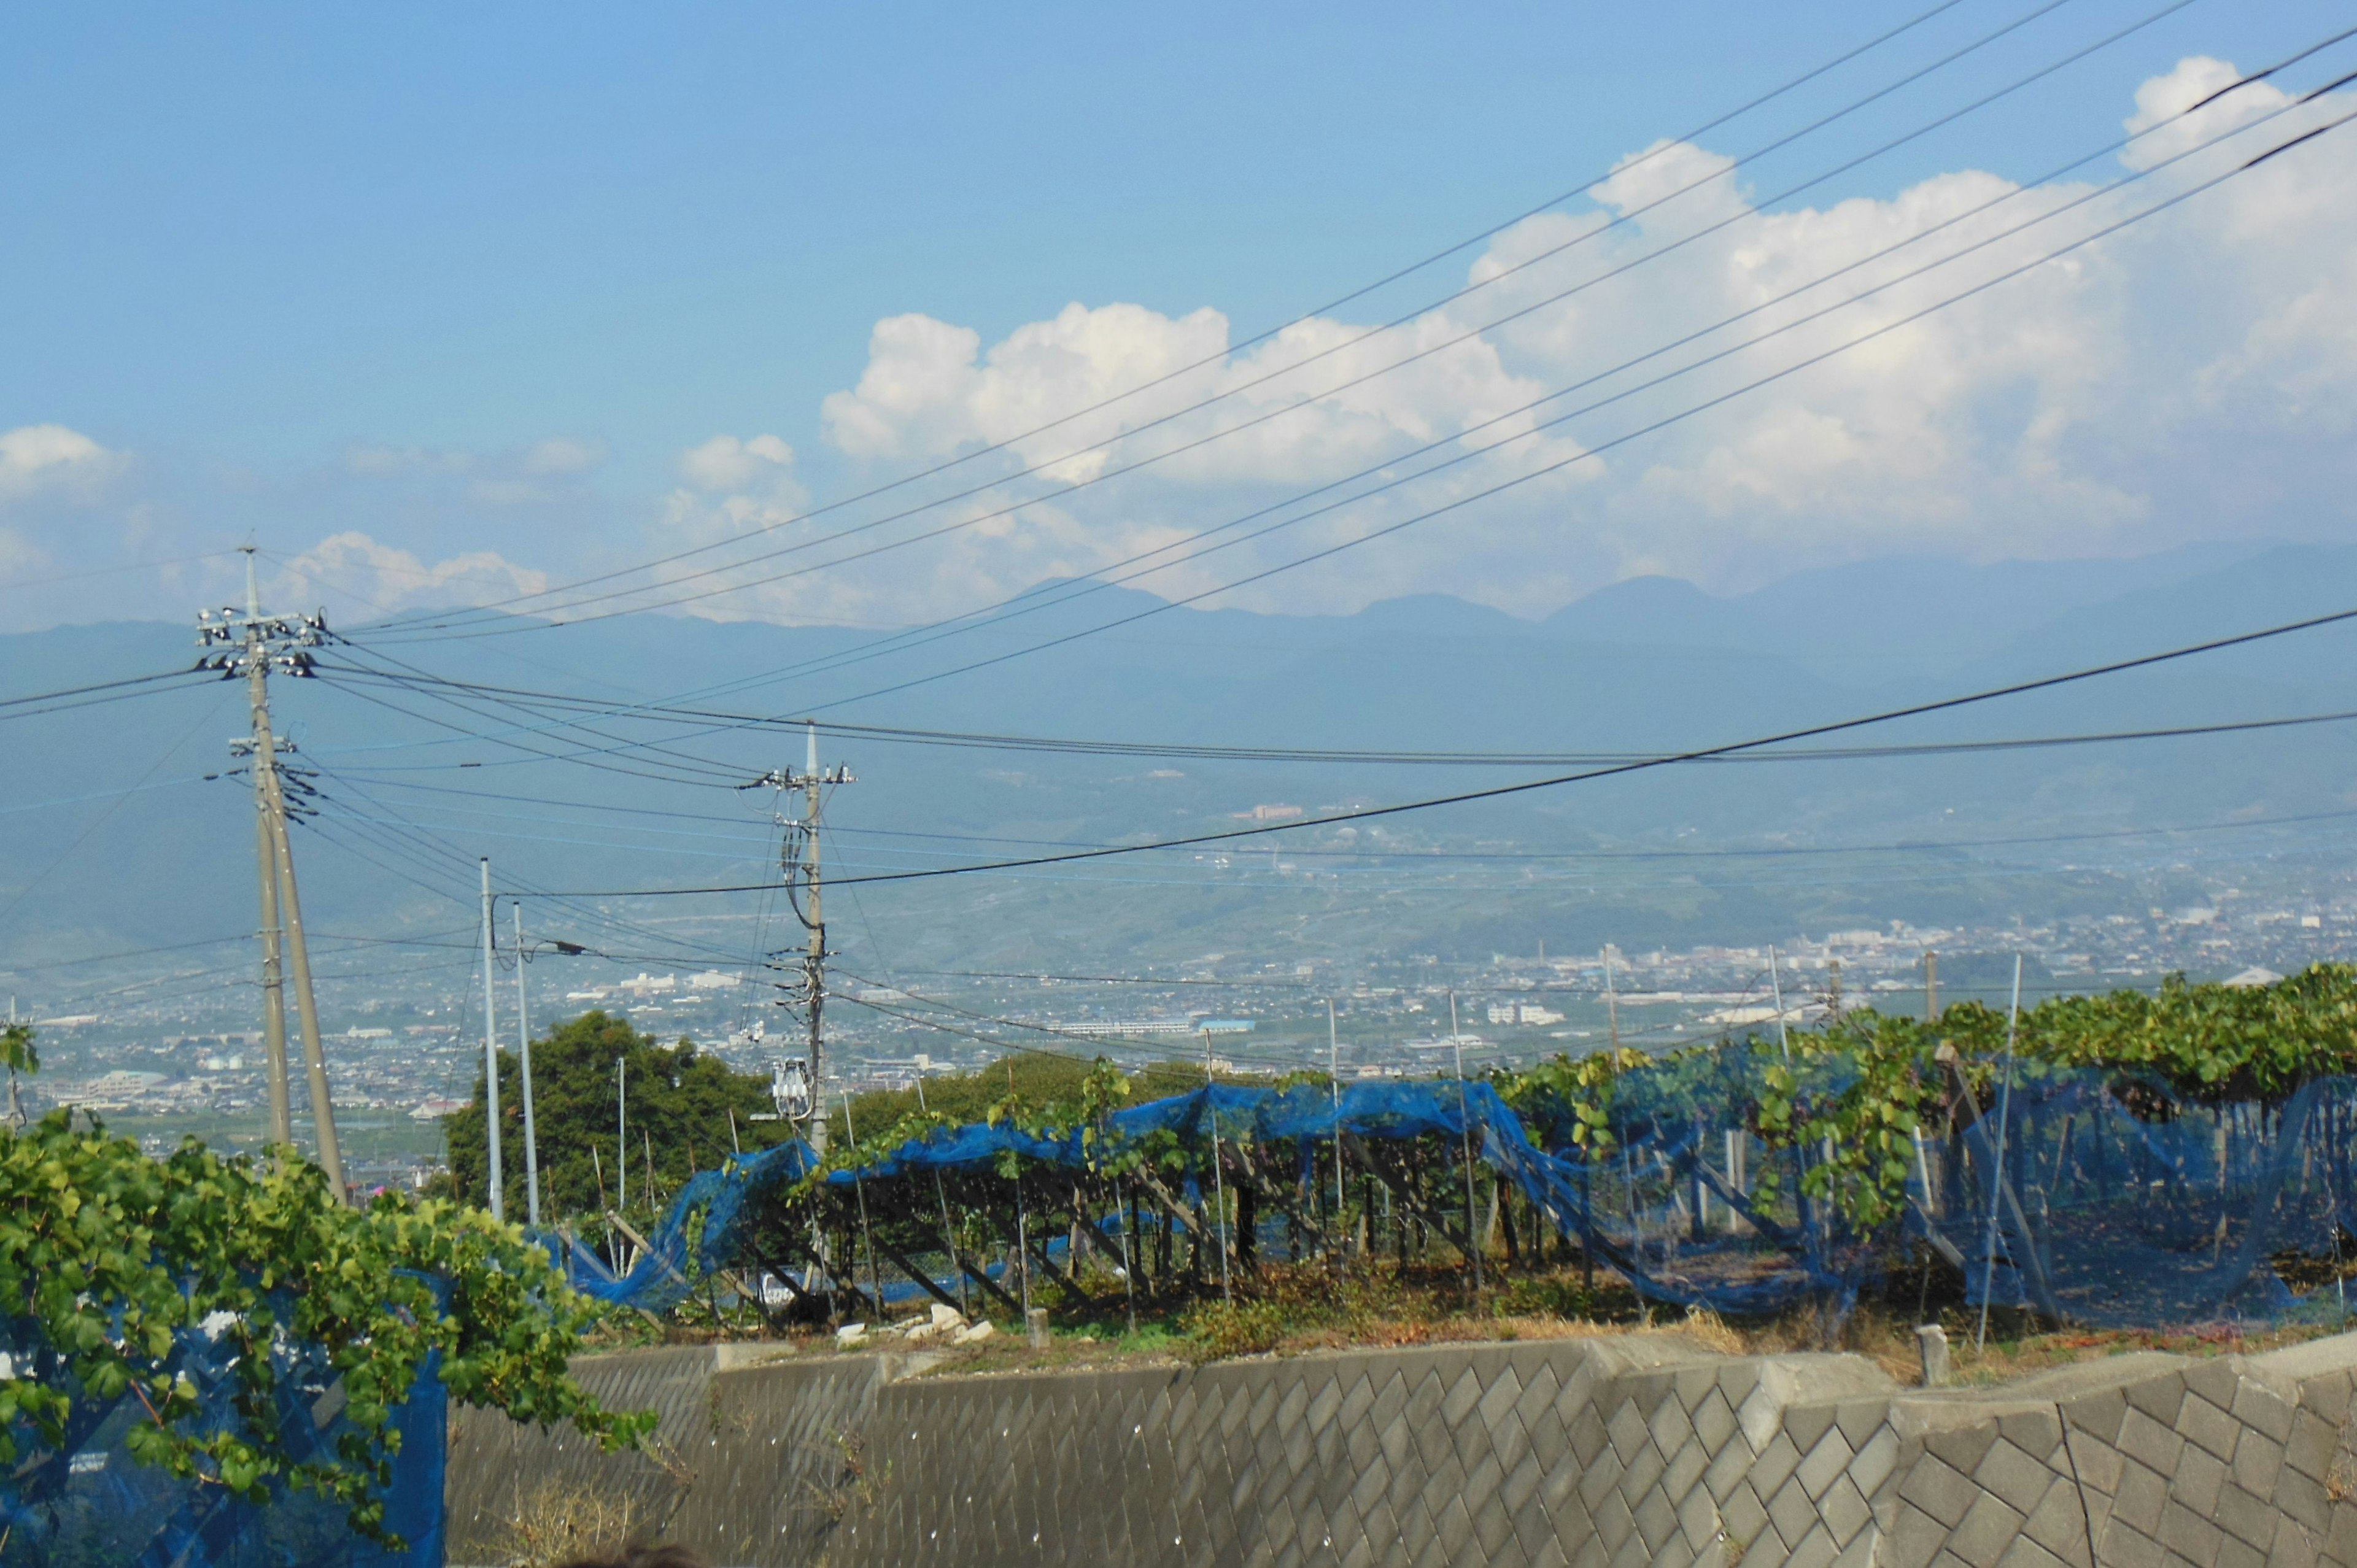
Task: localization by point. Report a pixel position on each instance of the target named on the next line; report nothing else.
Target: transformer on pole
(253, 645)
(798, 859)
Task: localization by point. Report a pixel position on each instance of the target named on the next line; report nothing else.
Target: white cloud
(2114, 399)
(563, 456)
(359, 569)
(36, 458)
(1057, 392)
(2164, 128)
(725, 462)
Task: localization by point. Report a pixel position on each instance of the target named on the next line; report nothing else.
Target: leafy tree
(1038, 1080)
(111, 1261)
(680, 1101)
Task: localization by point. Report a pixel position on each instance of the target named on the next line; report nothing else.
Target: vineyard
(208, 1356)
(2128, 1159)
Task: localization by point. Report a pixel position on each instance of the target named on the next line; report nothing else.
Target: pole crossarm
(245, 644)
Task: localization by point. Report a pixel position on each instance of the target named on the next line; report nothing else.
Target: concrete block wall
(1610, 1452)
(751, 1462)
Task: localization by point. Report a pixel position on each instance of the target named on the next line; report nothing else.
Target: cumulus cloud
(1057, 394)
(354, 565)
(2063, 398)
(727, 463)
(38, 457)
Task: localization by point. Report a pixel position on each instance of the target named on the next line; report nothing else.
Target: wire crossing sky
(406, 302)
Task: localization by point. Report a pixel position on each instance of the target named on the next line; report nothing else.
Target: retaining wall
(1612, 1452)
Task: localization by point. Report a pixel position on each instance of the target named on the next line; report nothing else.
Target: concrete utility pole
(274, 983)
(491, 1059)
(799, 860)
(253, 645)
(1931, 987)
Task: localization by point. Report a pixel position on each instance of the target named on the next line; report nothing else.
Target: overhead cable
(1915, 710)
(1716, 123)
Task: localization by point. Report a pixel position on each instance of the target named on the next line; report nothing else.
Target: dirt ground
(1287, 1309)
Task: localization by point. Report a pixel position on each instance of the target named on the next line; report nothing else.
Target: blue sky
(243, 243)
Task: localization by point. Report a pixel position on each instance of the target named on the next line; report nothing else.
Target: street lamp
(524, 1041)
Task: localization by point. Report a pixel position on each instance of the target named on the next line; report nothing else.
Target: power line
(1187, 751)
(1500, 791)
(1226, 351)
(1417, 354)
(1596, 449)
(1588, 454)
(134, 685)
(736, 720)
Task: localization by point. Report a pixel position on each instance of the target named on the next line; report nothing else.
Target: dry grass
(559, 1523)
(2011, 1355)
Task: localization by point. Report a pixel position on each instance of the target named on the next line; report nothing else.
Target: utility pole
(274, 982)
(1931, 987)
(523, 1050)
(798, 858)
(253, 645)
(491, 1059)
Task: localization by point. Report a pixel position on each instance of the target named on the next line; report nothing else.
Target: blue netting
(2122, 1205)
(93, 1504)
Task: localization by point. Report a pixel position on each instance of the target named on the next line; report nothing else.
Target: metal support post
(523, 1053)
(1473, 1237)
(491, 1063)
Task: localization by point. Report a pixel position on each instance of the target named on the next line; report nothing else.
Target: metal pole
(1784, 1046)
(491, 1060)
(1611, 1000)
(1219, 1181)
(523, 1047)
(1334, 1076)
(814, 965)
(622, 1134)
(875, 1270)
(1996, 1170)
(949, 1235)
(1465, 1135)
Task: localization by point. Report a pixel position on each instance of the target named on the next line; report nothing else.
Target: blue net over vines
(2120, 1203)
(95, 1503)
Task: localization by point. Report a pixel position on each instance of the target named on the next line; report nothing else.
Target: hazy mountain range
(1649, 664)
